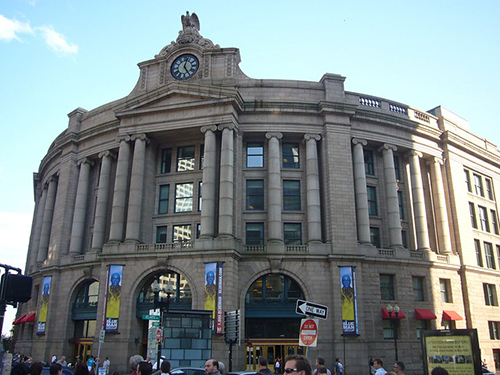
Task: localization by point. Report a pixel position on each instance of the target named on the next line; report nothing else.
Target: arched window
(274, 289)
(84, 311)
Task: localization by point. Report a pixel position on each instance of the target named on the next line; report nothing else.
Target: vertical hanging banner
(220, 317)
(349, 300)
(42, 318)
(114, 293)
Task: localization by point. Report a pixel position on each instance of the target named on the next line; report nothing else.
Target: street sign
(312, 309)
(232, 325)
(158, 336)
(308, 332)
(150, 317)
(102, 334)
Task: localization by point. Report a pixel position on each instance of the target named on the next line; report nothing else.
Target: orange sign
(308, 332)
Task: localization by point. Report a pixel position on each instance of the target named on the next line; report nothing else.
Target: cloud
(57, 42)
(9, 29)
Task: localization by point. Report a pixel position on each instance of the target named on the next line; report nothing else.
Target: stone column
(102, 200)
(391, 192)
(82, 192)
(274, 189)
(417, 190)
(361, 196)
(443, 228)
(48, 214)
(136, 189)
(226, 196)
(120, 193)
(38, 225)
(209, 177)
(312, 180)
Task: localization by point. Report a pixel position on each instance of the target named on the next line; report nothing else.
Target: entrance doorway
(272, 349)
(82, 348)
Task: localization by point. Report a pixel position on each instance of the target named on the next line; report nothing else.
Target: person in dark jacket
(263, 369)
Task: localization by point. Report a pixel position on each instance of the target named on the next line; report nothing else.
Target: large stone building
(249, 194)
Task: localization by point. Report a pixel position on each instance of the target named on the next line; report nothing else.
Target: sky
(58, 55)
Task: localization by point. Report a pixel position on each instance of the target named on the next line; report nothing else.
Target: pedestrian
(439, 371)
(36, 368)
(322, 370)
(378, 366)
(81, 369)
(320, 362)
(90, 363)
(297, 365)
(212, 367)
(399, 368)
(55, 369)
(263, 366)
(54, 358)
(144, 368)
(277, 366)
(339, 367)
(106, 365)
(63, 362)
(165, 368)
(133, 362)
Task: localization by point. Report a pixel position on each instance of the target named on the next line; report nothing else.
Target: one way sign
(311, 309)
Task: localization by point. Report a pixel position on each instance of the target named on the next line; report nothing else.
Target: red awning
(424, 314)
(19, 320)
(29, 318)
(385, 314)
(451, 315)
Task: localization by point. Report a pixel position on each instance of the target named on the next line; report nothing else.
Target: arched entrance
(84, 315)
(271, 324)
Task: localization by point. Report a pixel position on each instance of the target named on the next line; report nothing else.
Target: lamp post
(159, 303)
(394, 319)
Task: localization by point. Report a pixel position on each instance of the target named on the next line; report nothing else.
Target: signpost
(311, 309)
(308, 332)
(158, 335)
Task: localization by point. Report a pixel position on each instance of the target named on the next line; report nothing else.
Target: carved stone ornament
(188, 35)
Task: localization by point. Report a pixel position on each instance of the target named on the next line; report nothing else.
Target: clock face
(184, 67)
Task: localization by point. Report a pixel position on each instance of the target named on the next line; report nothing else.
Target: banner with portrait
(349, 300)
(212, 298)
(113, 297)
(42, 317)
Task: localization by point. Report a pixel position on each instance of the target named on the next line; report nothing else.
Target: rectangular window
(292, 233)
(254, 234)
(198, 230)
(200, 195)
(489, 189)
(444, 285)
(255, 155)
(185, 158)
(421, 325)
(498, 255)
(494, 330)
(163, 200)
(166, 160)
(478, 185)
(490, 294)
(483, 219)
(372, 200)
(387, 287)
(161, 234)
(467, 181)
(184, 197)
(290, 154)
(369, 164)
(479, 257)
(494, 222)
(255, 195)
(473, 218)
(404, 238)
(397, 168)
(375, 237)
(418, 288)
(202, 155)
(488, 255)
(400, 202)
(291, 195)
(388, 329)
(182, 233)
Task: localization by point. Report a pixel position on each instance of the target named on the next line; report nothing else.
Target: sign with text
(312, 309)
(308, 332)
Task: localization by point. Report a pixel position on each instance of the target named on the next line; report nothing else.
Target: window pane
(479, 258)
(202, 155)
(483, 219)
(161, 234)
(375, 237)
(369, 166)
(488, 254)
(163, 200)
(182, 233)
(255, 155)
(184, 197)
(472, 212)
(293, 233)
(255, 195)
(185, 158)
(387, 287)
(291, 195)
(418, 288)
(372, 200)
(478, 185)
(254, 234)
(467, 181)
(444, 285)
(166, 160)
(200, 195)
(290, 155)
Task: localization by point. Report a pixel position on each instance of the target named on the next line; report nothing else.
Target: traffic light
(17, 288)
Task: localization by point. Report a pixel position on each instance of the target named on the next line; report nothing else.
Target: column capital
(228, 125)
(435, 160)
(387, 146)
(103, 154)
(206, 128)
(124, 138)
(316, 137)
(274, 135)
(414, 153)
(142, 137)
(360, 141)
(85, 160)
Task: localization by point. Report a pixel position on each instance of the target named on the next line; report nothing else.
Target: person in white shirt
(378, 366)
